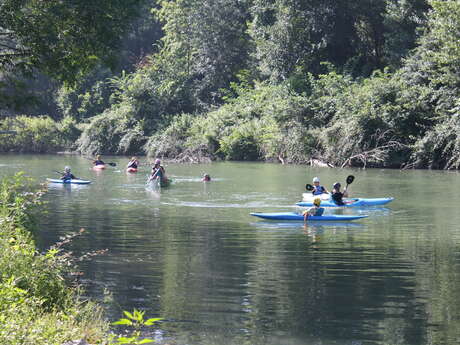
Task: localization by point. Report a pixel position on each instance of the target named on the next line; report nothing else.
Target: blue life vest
(318, 191)
(319, 212)
(67, 176)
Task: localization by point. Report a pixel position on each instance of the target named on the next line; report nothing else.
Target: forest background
(348, 83)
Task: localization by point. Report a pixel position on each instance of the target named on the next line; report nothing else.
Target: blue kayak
(296, 216)
(73, 181)
(350, 202)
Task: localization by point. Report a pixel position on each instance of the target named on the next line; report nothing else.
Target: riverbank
(37, 305)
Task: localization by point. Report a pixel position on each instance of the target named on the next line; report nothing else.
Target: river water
(193, 255)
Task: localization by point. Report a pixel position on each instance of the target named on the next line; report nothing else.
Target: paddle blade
(350, 179)
(112, 164)
(309, 187)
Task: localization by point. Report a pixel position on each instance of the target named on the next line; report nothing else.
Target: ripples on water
(192, 254)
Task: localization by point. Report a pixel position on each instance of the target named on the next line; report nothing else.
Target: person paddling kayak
(133, 163)
(98, 161)
(317, 188)
(206, 178)
(337, 196)
(158, 172)
(67, 175)
(316, 210)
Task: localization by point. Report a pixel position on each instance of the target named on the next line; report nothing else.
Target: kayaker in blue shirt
(67, 175)
(337, 196)
(316, 210)
(317, 188)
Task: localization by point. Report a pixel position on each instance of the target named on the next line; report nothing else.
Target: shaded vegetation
(364, 83)
(36, 305)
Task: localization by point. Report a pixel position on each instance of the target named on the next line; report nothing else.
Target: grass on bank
(36, 304)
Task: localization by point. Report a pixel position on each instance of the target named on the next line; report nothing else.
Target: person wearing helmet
(67, 175)
(316, 210)
(98, 161)
(317, 188)
(337, 196)
(158, 172)
(206, 178)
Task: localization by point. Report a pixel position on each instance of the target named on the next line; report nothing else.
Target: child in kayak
(317, 188)
(158, 172)
(337, 196)
(316, 210)
(67, 175)
(98, 161)
(206, 178)
(133, 163)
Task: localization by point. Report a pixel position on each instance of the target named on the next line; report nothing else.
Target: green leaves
(62, 39)
(135, 320)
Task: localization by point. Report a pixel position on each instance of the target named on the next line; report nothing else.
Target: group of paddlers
(158, 171)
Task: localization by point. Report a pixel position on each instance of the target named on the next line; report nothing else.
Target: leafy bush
(115, 131)
(36, 305)
(38, 134)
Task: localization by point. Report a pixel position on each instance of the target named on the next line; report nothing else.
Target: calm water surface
(193, 255)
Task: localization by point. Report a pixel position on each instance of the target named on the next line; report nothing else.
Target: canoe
(296, 216)
(350, 202)
(74, 181)
(99, 167)
(156, 184)
(165, 183)
(131, 170)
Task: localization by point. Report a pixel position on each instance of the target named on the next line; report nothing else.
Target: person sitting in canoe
(67, 175)
(317, 188)
(316, 210)
(158, 172)
(337, 196)
(206, 178)
(98, 161)
(133, 163)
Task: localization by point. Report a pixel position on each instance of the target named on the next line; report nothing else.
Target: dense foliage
(36, 305)
(38, 134)
(367, 83)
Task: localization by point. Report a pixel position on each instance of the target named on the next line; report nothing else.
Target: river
(193, 255)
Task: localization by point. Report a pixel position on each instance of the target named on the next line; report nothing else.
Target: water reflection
(192, 254)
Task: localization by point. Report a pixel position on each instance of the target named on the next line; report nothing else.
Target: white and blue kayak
(296, 216)
(72, 181)
(349, 202)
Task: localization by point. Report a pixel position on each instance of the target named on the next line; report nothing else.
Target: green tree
(62, 38)
(204, 47)
(301, 34)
